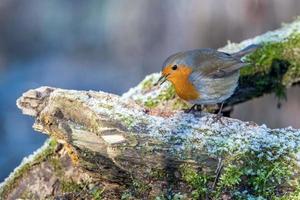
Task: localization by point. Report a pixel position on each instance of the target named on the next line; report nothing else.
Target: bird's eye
(174, 67)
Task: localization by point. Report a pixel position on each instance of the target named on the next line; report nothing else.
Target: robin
(204, 76)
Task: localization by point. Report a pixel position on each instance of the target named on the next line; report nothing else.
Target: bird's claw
(218, 118)
(194, 108)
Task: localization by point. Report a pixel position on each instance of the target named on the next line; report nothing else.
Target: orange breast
(183, 87)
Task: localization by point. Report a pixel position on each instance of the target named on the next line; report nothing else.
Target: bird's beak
(162, 79)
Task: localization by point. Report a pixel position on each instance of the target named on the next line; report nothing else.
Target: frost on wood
(96, 120)
(142, 145)
(113, 138)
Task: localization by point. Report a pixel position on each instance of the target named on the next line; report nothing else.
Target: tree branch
(272, 68)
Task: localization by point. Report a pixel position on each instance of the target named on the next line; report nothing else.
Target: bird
(204, 76)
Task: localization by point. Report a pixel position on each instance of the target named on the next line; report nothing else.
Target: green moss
(259, 176)
(57, 166)
(164, 96)
(199, 181)
(97, 193)
(272, 68)
(127, 120)
(179, 104)
(230, 177)
(127, 195)
(157, 174)
(247, 175)
(81, 188)
(168, 94)
(261, 60)
(151, 103)
(292, 54)
(148, 83)
(263, 57)
(22, 171)
(266, 177)
(139, 188)
(70, 186)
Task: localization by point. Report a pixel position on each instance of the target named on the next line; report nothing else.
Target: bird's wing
(210, 63)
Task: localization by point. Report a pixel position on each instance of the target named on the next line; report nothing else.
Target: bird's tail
(249, 49)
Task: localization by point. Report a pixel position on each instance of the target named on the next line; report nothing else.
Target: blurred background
(111, 45)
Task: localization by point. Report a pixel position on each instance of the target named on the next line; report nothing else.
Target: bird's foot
(188, 110)
(195, 108)
(218, 118)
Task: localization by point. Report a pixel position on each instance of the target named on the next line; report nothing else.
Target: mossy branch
(272, 68)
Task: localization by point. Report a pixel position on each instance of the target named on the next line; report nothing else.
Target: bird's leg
(220, 109)
(191, 109)
(219, 114)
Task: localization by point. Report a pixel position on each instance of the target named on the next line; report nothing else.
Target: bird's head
(175, 69)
